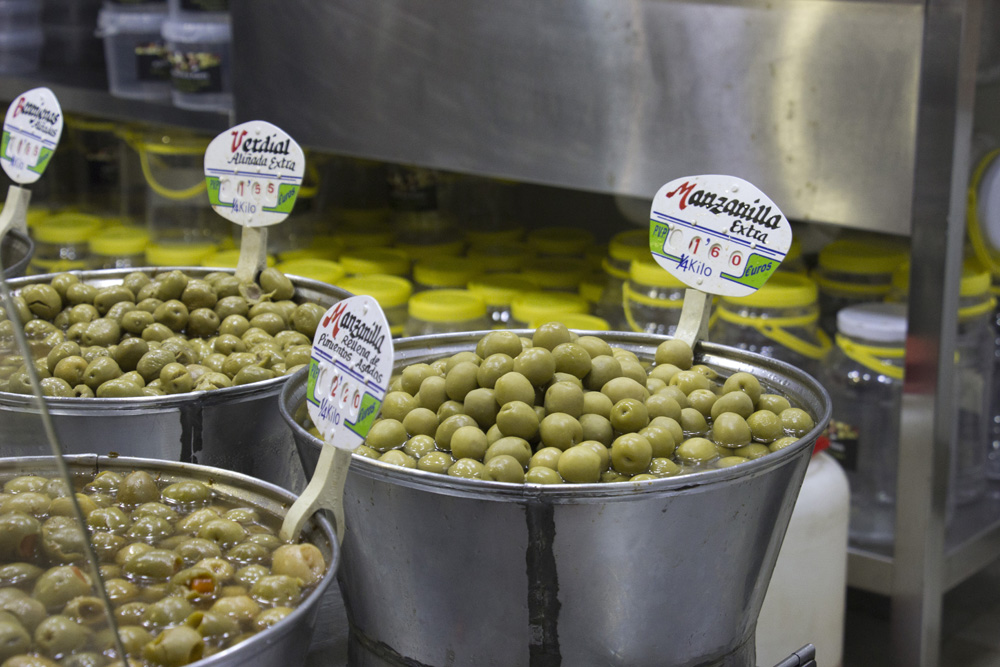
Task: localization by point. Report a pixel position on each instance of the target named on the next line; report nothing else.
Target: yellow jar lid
(565, 273)
(630, 245)
(782, 290)
(592, 287)
(535, 306)
(55, 265)
(502, 256)
(489, 237)
(304, 253)
(576, 321)
(560, 240)
(322, 246)
(975, 279)
(421, 251)
(119, 241)
(67, 228)
(178, 254)
(389, 291)
(323, 270)
(794, 251)
(648, 272)
(861, 257)
(228, 259)
(499, 289)
(364, 261)
(446, 271)
(36, 216)
(446, 305)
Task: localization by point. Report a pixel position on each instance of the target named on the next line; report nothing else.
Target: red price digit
(239, 188)
(357, 400)
(256, 189)
(715, 250)
(270, 188)
(695, 243)
(736, 259)
(333, 385)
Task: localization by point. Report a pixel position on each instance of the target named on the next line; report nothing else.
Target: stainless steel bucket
(236, 428)
(289, 642)
(15, 253)
(444, 571)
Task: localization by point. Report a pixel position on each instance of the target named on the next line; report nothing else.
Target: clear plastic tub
(366, 261)
(559, 274)
(135, 53)
(61, 242)
(445, 311)
(652, 298)
(498, 290)
(200, 63)
(543, 306)
(323, 270)
(118, 248)
(560, 241)
(445, 272)
(624, 248)
(178, 254)
(17, 16)
(20, 52)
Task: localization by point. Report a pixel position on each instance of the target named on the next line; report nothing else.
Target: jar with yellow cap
(624, 248)
(591, 288)
(372, 236)
(366, 261)
(178, 254)
(498, 290)
(854, 270)
(419, 252)
(118, 248)
(560, 241)
(651, 299)
(322, 270)
(228, 259)
(321, 246)
(501, 257)
(543, 306)
(558, 274)
(794, 262)
(577, 321)
(780, 320)
(415, 213)
(865, 380)
(488, 237)
(62, 242)
(391, 292)
(444, 273)
(445, 311)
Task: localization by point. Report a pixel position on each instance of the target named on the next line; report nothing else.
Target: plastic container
(62, 242)
(321, 270)
(779, 320)
(391, 292)
(135, 53)
(366, 261)
(558, 274)
(199, 10)
(591, 288)
(794, 262)
(804, 603)
(444, 272)
(70, 13)
(852, 271)
(502, 256)
(200, 64)
(498, 290)
(865, 381)
(624, 248)
(543, 306)
(118, 248)
(19, 16)
(20, 52)
(229, 258)
(560, 241)
(651, 298)
(178, 254)
(445, 311)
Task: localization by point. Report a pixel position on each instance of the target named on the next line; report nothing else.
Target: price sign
(254, 172)
(718, 234)
(31, 130)
(349, 371)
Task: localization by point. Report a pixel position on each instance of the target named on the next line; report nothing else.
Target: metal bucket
(287, 642)
(15, 253)
(236, 428)
(438, 570)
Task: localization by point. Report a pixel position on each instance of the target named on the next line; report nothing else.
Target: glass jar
(780, 320)
(178, 254)
(444, 273)
(543, 306)
(501, 257)
(118, 248)
(62, 242)
(852, 271)
(366, 261)
(591, 288)
(498, 290)
(560, 241)
(652, 299)
(624, 248)
(557, 274)
(865, 381)
(391, 292)
(322, 270)
(794, 262)
(445, 311)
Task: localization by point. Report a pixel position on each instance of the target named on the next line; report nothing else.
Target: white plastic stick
(325, 491)
(15, 210)
(253, 253)
(693, 324)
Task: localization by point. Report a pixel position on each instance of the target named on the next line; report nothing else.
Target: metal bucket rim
(599, 492)
(74, 405)
(276, 631)
(18, 267)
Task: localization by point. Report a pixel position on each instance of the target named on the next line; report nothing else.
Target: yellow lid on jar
(492, 236)
(323, 270)
(782, 290)
(560, 240)
(55, 265)
(321, 246)
(67, 228)
(648, 272)
(119, 241)
(629, 246)
(592, 287)
(562, 273)
(36, 216)
(446, 305)
(389, 291)
(446, 271)
(578, 321)
(421, 251)
(535, 306)
(499, 289)
(861, 257)
(975, 279)
(178, 254)
(228, 259)
(507, 256)
(364, 261)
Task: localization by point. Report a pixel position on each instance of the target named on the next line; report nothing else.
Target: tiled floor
(971, 625)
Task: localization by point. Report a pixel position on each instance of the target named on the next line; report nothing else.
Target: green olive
(662, 440)
(694, 451)
(752, 451)
(560, 430)
(99, 371)
(597, 427)
(542, 475)
(253, 373)
(129, 352)
(107, 297)
(59, 635)
(173, 314)
(397, 404)
(42, 300)
(564, 397)
(386, 434)
(83, 313)
(693, 422)
(80, 293)
(731, 430)
(550, 335)
(59, 585)
(745, 383)
(774, 403)
(504, 468)
(56, 387)
(765, 426)
(175, 646)
(151, 363)
(499, 342)
(781, 443)
(419, 445)
(493, 368)
(675, 352)
(438, 462)
(467, 468)
(421, 421)
(276, 283)
(702, 400)
(135, 281)
(536, 364)
(796, 422)
(604, 368)
(157, 331)
(481, 405)
(597, 403)
(664, 467)
(469, 442)
(734, 401)
(513, 386)
(629, 415)
(688, 381)
(447, 428)
(432, 392)
(306, 317)
(631, 454)
(170, 286)
(119, 388)
(187, 493)
(518, 419)
(62, 281)
(461, 379)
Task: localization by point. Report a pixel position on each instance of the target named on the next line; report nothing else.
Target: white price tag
(254, 172)
(718, 234)
(349, 371)
(31, 130)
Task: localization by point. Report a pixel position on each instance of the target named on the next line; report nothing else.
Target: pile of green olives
(156, 335)
(188, 574)
(558, 408)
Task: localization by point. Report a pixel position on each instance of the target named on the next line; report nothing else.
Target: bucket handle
(144, 149)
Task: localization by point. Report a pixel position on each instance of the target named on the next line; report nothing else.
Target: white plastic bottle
(805, 600)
